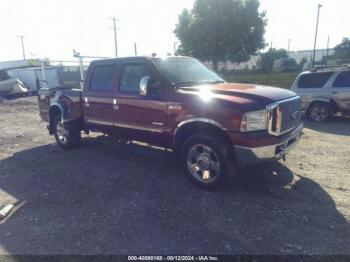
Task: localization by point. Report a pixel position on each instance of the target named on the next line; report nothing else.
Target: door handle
(86, 100)
(174, 106)
(115, 104)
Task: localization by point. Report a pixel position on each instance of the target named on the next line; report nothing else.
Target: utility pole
(22, 41)
(135, 47)
(328, 45)
(175, 45)
(327, 53)
(317, 21)
(270, 69)
(115, 35)
(289, 40)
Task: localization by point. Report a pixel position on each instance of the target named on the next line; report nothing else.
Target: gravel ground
(112, 198)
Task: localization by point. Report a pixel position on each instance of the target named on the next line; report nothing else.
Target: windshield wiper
(213, 82)
(193, 83)
(187, 83)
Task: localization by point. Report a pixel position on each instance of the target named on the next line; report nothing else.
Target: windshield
(182, 71)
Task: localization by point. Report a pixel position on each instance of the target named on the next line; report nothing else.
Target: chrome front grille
(284, 116)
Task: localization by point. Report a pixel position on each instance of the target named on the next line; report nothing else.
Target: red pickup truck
(212, 126)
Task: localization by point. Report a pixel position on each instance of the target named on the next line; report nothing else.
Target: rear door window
(343, 80)
(102, 78)
(317, 80)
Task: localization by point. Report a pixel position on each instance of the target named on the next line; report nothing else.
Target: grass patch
(284, 80)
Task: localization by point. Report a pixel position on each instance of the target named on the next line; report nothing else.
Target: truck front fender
(193, 125)
(199, 120)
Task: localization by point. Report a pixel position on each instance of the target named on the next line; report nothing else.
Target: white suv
(324, 92)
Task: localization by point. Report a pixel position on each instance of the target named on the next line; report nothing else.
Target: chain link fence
(71, 73)
(281, 72)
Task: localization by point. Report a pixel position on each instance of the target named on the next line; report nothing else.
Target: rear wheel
(319, 112)
(67, 135)
(206, 162)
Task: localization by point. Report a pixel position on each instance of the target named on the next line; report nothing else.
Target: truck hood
(246, 95)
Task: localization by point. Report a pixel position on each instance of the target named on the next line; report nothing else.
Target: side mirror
(144, 85)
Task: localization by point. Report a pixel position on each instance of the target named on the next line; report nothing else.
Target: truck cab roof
(132, 58)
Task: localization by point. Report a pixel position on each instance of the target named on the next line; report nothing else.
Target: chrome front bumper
(249, 156)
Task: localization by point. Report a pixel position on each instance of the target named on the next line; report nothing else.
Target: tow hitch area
(281, 152)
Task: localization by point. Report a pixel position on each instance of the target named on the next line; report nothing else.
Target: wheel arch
(190, 127)
(55, 110)
(333, 104)
(320, 99)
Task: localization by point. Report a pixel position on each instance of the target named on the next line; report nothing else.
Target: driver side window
(131, 76)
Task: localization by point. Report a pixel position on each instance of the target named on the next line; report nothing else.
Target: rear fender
(57, 109)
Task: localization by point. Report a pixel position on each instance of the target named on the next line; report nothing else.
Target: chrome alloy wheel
(203, 163)
(319, 114)
(62, 133)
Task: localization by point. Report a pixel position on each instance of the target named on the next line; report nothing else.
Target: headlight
(254, 121)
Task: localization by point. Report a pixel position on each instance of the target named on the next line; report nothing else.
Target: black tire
(319, 112)
(68, 135)
(207, 177)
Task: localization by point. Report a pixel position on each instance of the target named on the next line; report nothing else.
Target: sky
(54, 27)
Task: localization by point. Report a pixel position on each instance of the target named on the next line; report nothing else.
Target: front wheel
(67, 135)
(205, 160)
